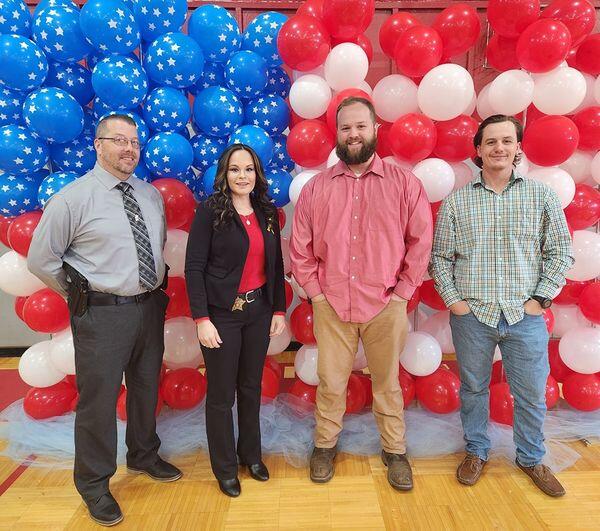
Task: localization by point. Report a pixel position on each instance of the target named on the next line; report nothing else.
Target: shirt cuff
(312, 289)
(404, 290)
(545, 290)
(200, 319)
(450, 296)
(279, 313)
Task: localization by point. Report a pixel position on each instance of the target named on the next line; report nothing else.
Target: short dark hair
(351, 100)
(497, 119)
(101, 127)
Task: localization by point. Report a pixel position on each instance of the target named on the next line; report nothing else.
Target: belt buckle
(238, 304)
(246, 296)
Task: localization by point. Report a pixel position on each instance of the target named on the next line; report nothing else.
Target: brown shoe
(321, 464)
(470, 469)
(399, 473)
(544, 479)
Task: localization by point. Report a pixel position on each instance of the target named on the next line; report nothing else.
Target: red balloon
(588, 124)
(559, 371)
(439, 392)
(282, 218)
(303, 42)
(4, 226)
(179, 303)
(588, 55)
(584, 210)
(498, 374)
(414, 301)
(412, 137)
(21, 230)
(549, 319)
(183, 388)
(368, 386)
(307, 394)
(163, 371)
(122, 405)
(392, 28)
(458, 26)
(543, 45)
(501, 403)
(274, 365)
(552, 392)
(71, 379)
(313, 8)
(179, 201)
(45, 402)
(582, 391)
(455, 138)
(335, 102)
(435, 208)
(572, 58)
(550, 140)
(589, 302)
(289, 294)
(296, 119)
(362, 40)
(501, 53)
(346, 19)
(509, 18)
(356, 396)
(418, 50)
(46, 311)
(383, 140)
(301, 323)
(407, 384)
(309, 143)
(269, 385)
(430, 296)
(19, 303)
(571, 292)
(578, 15)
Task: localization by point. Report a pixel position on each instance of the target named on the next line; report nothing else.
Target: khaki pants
(383, 338)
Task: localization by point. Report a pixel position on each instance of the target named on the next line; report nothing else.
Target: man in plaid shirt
(500, 252)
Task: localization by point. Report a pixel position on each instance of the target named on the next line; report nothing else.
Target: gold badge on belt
(238, 304)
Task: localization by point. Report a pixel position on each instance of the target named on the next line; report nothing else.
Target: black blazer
(215, 260)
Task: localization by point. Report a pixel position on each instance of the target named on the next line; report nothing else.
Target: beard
(363, 155)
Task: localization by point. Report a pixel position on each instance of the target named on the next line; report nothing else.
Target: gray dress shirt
(85, 225)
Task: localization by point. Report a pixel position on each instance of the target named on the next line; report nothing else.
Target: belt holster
(77, 291)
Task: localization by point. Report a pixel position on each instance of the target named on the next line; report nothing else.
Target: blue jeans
(524, 348)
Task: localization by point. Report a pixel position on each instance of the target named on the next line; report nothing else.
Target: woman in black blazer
(234, 275)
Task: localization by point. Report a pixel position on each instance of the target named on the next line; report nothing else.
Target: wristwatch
(544, 302)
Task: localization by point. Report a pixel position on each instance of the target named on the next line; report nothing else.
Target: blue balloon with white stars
(23, 66)
(279, 185)
(18, 194)
(168, 155)
(53, 114)
(11, 106)
(216, 31)
(109, 26)
(95, 57)
(213, 75)
(189, 178)
(256, 138)
(89, 122)
(166, 109)
(56, 30)
(218, 111)
(208, 181)
(174, 60)
(21, 151)
(78, 156)
(15, 18)
(207, 150)
(261, 36)
(281, 157)
(54, 183)
(73, 78)
(269, 112)
(278, 82)
(120, 82)
(43, 4)
(157, 17)
(246, 74)
(142, 173)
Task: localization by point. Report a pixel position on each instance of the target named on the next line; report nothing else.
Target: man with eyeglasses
(100, 241)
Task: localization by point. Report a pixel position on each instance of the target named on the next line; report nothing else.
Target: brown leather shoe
(399, 474)
(469, 471)
(544, 479)
(321, 464)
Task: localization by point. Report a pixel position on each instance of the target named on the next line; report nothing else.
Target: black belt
(96, 298)
(243, 298)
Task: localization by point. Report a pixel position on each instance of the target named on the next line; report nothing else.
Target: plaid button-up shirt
(497, 250)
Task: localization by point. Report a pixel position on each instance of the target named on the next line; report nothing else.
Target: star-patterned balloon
(20, 151)
(166, 109)
(53, 114)
(23, 66)
(281, 158)
(15, 17)
(73, 78)
(157, 17)
(109, 26)
(174, 60)
(261, 36)
(208, 181)
(279, 185)
(270, 112)
(190, 179)
(120, 82)
(142, 173)
(11, 106)
(207, 150)
(43, 4)
(256, 138)
(56, 30)
(213, 75)
(217, 111)
(18, 194)
(89, 122)
(78, 156)
(95, 57)
(168, 155)
(216, 31)
(278, 82)
(54, 183)
(246, 74)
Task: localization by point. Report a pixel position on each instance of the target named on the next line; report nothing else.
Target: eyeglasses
(121, 141)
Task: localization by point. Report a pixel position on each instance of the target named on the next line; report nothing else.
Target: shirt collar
(341, 168)
(514, 177)
(109, 180)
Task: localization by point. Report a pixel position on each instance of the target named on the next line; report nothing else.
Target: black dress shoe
(259, 471)
(160, 471)
(105, 510)
(231, 487)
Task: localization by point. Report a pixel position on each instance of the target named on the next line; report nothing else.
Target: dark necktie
(146, 264)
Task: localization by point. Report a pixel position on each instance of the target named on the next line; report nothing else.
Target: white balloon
(462, 174)
(511, 92)
(523, 166)
(557, 179)
(472, 105)
(360, 359)
(401, 163)
(305, 364)
(394, 96)
(62, 351)
(589, 98)
(578, 166)
(298, 290)
(438, 325)
(497, 354)
(365, 87)
(346, 66)
(567, 317)
(445, 92)
(182, 348)
(579, 348)
(484, 107)
(35, 367)
(298, 183)
(586, 251)
(595, 167)
(422, 354)
(560, 91)
(309, 96)
(318, 71)
(15, 278)
(597, 90)
(437, 178)
(333, 159)
(174, 252)
(278, 344)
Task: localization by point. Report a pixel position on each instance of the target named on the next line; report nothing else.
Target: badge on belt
(238, 304)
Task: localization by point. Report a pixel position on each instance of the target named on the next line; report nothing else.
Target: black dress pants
(236, 366)
(108, 341)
